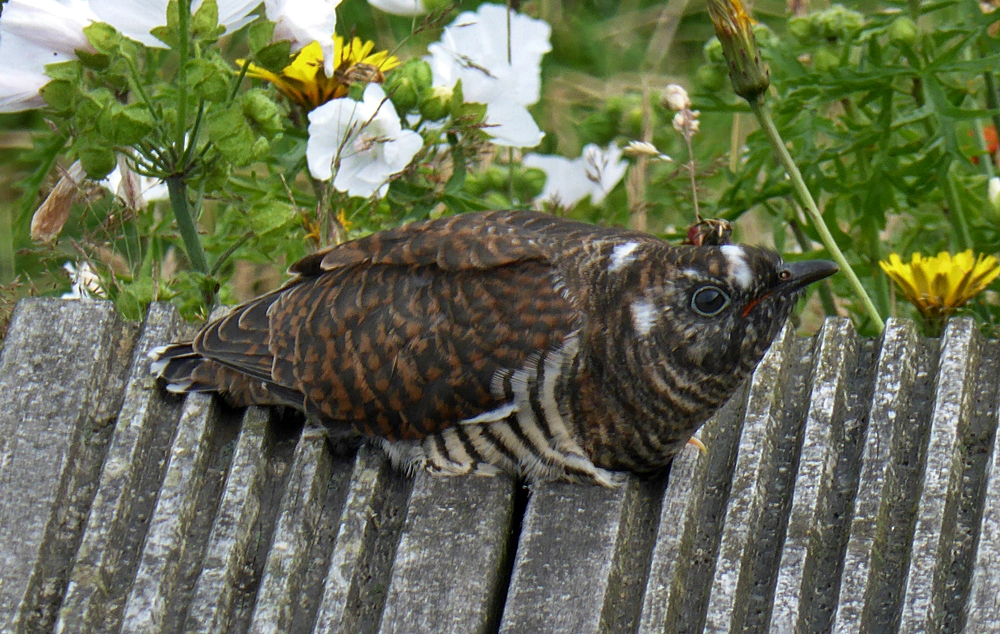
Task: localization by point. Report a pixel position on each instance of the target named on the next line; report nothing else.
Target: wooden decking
(853, 486)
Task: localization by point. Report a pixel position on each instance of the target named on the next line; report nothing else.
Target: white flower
(474, 49)
(135, 191)
(362, 141)
(136, 18)
(304, 22)
(676, 98)
(687, 119)
(86, 283)
(993, 192)
(400, 7)
(34, 33)
(568, 181)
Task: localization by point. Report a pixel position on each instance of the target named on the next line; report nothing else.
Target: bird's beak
(797, 275)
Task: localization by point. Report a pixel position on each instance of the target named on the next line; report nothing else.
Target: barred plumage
(504, 340)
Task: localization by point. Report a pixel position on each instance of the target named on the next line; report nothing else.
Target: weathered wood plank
(303, 537)
(983, 608)
(573, 539)
(942, 479)
(449, 571)
(229, 546)
(106, 561)
(899, 364)
(823, 442)
(367, 537)
(756, 466)
(689, 525)
(157, 578)
(62, 374)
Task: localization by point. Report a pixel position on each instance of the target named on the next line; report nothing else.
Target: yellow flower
(940, 284)
(305, 82)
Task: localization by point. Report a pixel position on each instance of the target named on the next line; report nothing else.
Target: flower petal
(511, 125)
(136, 18)
(400, 7)
(304, 22)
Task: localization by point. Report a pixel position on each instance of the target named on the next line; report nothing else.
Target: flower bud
(993, 192)
(713, 51)
(710, 77)
(675, 98)
(747, 71)
(836, 22)
(825, 60)
(435, 103)
(903, 32)
(632, 121)
(529, 183)
(801, 29)
(405, 84)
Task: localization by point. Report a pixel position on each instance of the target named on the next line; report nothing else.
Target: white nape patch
(491, 416)
(621, 256)
(738, 268)
(643, 316)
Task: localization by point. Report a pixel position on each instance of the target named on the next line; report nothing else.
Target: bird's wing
(467, 241)
(402, 335)
(240, 339)
(408, 351)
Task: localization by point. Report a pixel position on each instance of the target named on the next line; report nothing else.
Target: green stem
(230, 251)
(990, 84)
(763, 115)
(183, 46)
(6, 245)
(825, 294)
(956, 212)
(186, 224)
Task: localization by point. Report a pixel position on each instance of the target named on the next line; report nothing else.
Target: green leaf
(70, 71)
(259, 35)
(208, 79)
(232, 135)
(270, 215)
(131, 124)
(94, 61)
(60, 94)
(103, 37)
(169, 34)
(274, 57)
(97, 161)
(263, 113)
(205, 22)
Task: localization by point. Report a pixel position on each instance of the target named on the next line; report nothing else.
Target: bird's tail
(184, 370)
(179, 366)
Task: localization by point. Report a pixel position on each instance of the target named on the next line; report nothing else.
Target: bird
(504, 341)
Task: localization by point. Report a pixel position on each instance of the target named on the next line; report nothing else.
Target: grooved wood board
(852, 485)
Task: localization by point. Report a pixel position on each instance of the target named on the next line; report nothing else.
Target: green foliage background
(884, 105)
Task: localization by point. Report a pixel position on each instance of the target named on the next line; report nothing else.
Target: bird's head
(710, 310)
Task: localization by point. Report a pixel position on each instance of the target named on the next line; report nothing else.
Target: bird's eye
(709, 301)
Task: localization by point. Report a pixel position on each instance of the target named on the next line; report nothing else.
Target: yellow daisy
(938, 285)
(305, 82)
